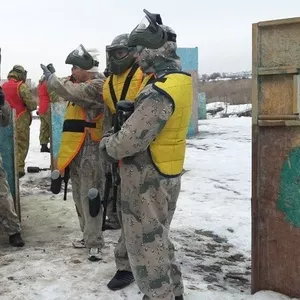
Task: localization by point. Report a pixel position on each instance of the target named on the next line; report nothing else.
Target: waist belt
(77, 125)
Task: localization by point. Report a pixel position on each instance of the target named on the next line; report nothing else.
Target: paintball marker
(51, 68)
(124, 110)
(36, 169)
(56, 181)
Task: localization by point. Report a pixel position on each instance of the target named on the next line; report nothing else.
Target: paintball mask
(81, 58)
(120, 56)
(149, 33)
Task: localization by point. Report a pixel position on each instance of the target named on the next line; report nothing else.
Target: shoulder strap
(112, 91)
(152, 79)
(128, 80)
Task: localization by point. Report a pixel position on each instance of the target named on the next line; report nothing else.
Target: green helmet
(120, 56)
(18, 72)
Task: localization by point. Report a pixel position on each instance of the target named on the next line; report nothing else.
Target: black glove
(46, 71)
(2, 97)
(107, 72)
(72, 79)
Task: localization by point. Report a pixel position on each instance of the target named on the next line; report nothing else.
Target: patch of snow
(211, 228)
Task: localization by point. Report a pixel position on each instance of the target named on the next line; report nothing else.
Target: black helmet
(149, 33)
(81, 58)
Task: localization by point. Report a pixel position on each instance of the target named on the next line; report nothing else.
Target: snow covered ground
(211, 228)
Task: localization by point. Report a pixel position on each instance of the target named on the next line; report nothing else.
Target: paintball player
(151, 144)
(44, 114)
(123, 82)
(8, 217)
(82, 131)
(19, 97)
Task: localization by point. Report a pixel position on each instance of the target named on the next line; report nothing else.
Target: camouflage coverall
(85, 169)
(8, 217)
(23, 122)
(148, 199)
(45, 125)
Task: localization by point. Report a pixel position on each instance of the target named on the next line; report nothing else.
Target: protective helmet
(149, 33)
(19, 72)
(120, 56)
(81, 58)
(161, 60)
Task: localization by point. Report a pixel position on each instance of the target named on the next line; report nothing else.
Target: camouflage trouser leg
(75, 179)
(23, 137)
(146, 210)
(85, 174)
(8, 217)
(175, 269)
(45, 128)
(121, 255)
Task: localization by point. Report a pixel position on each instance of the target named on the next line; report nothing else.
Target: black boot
(120, 280)
(44, 148)
(16, 240)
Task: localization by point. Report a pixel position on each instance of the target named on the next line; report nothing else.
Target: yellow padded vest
(74, 132)
(168, 149)
(124, 86)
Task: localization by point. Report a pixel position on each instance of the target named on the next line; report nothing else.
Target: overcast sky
(40, 31)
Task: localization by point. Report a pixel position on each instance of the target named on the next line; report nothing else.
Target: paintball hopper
(56, 180)
(94, 202)
(125, 109)
(125, 106)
